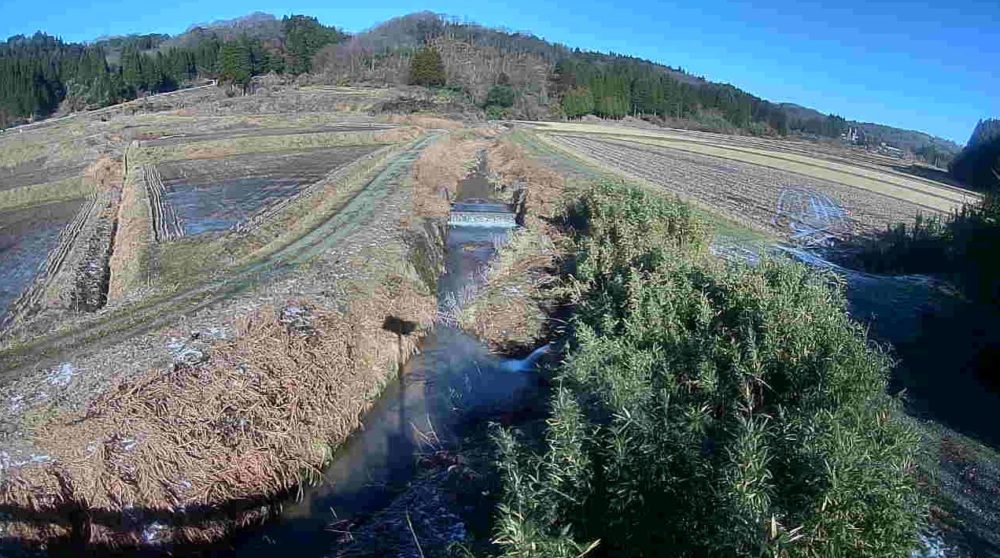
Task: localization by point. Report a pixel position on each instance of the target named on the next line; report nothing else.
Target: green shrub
(502, 96)
(707, 409)
(496, 112)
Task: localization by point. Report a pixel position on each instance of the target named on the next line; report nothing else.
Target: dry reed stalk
(398, 135)
(105, 173)
(438, 171)
(208, 152)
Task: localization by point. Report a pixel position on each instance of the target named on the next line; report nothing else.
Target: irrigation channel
(453, 385)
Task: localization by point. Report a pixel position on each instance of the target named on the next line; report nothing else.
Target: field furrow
(743, 191)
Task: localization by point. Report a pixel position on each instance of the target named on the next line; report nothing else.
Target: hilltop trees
(236, 63)
(427, 68)
(304, 37)
(38, 73)
(30, 70)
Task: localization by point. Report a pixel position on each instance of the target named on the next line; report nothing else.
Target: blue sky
(926, 66)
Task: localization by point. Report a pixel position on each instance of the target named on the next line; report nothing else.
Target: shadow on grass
(930, 173)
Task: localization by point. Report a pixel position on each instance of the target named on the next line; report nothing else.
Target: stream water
(453, 384)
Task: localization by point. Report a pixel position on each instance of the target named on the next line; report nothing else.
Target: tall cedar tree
(427, 68)
(304, 36)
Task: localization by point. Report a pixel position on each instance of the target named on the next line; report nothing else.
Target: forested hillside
(507, 74)
(537, 79)
(40, 74)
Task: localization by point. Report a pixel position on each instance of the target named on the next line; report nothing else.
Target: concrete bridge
(481, 213)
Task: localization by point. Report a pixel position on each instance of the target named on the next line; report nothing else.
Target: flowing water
(453, 384)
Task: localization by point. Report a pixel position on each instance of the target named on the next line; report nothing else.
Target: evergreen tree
(578, 102)
(236, 64)
(304, 36)
(427, 68)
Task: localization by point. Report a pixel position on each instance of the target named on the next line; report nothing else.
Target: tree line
(613, 86)
(40, 72)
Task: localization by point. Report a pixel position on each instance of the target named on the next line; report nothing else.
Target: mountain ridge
(408, 32)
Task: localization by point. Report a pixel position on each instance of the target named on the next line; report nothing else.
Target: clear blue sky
(928, 66)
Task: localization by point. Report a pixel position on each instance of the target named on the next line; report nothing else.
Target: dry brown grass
(786, 155)
(129, 263)
(398, 135)
(439, 169)
(208, 152)
(216, 148)
(249, 423)
(105, 173)
(509, 311)
(543, 187)
(424, 121)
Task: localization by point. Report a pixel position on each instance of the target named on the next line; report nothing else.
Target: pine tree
(427, 68)
(235, 64)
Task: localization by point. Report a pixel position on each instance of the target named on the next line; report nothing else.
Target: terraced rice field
(212, 195)
(26, 238)
(790, 194)
(243, 131)
(34, 172)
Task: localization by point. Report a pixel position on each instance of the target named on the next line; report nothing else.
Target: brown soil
(744, 192)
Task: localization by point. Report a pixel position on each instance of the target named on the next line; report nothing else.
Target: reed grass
(708, 408)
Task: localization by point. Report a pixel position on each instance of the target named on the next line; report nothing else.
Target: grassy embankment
(707, 407)
(205, 446)
(41, 194)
